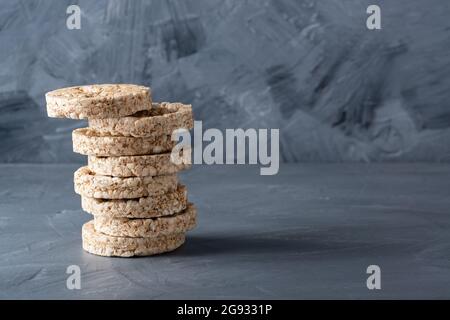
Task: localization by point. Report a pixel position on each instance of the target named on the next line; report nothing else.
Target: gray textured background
(338, 91)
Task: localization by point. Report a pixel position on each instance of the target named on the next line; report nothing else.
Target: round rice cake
(146, 207)
(135, 166)
(89, 184)
(98, 101)
(152, 227)
(162, 119)
(88, 141)
(104, 245)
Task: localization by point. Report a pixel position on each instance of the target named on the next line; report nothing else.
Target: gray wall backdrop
(337, 91)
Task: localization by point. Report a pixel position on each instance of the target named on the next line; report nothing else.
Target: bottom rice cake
(101, 244)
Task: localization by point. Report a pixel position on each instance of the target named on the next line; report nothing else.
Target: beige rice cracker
(89, 184)
(162, 119)
(98, 101)
(88, 141)
(153, 227)
(104, 245)
(146, 207)
(137, 166)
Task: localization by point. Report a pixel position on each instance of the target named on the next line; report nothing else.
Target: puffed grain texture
(135, 166)
(89, 184)
(98, 101)
(162, 119)
(146, 207)
(103, 245)
(153, 227)
(88, 141)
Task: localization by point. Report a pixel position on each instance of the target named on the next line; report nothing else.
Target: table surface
(309, 232)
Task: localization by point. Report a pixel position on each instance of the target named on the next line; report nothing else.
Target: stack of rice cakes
(130, 184)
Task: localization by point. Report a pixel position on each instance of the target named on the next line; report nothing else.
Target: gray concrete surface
(309, 232)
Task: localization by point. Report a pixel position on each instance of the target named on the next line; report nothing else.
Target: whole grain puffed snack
(98, 101)
(88, 141)
(162, 119)
(152, 227)
(146, 207)
(138, 166)
(104, 245)
(89, 184)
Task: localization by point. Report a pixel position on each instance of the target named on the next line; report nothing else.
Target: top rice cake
(98, 101)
